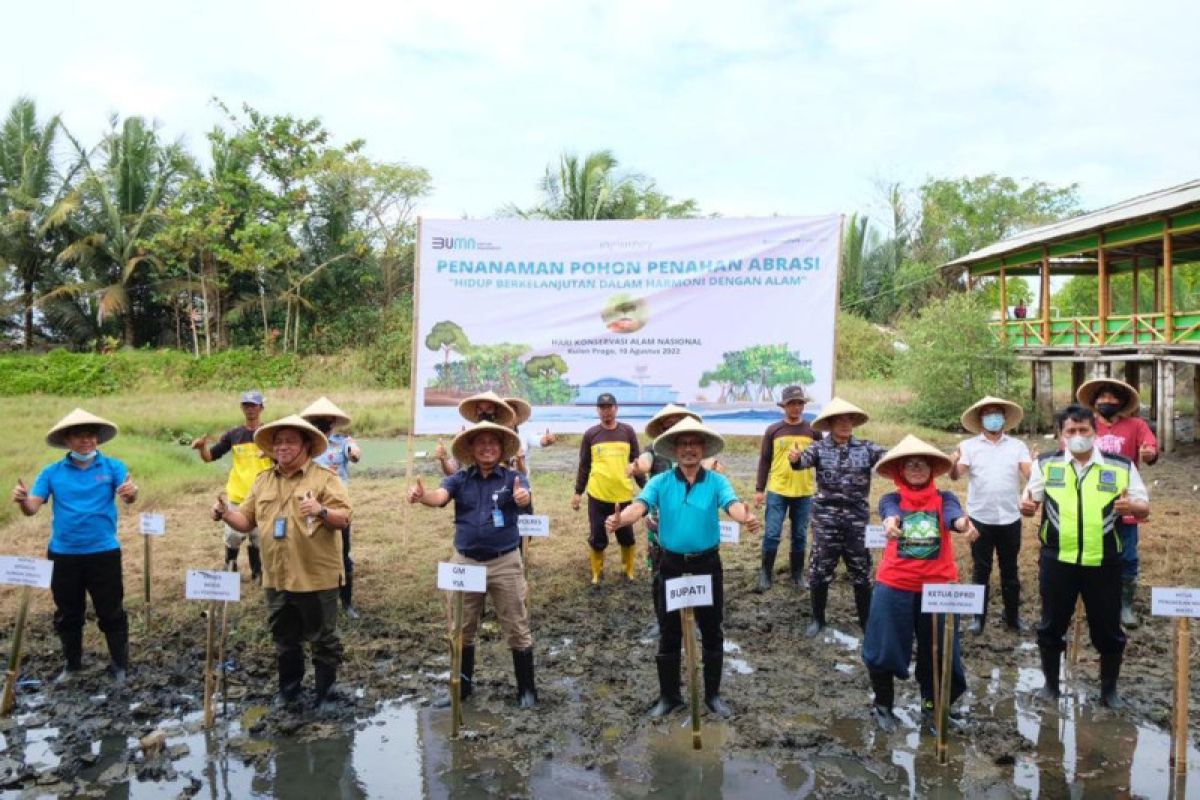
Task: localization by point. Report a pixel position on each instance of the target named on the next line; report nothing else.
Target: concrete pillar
(1077, 377)
(1043, 393)
(1150, 398)
(1166, 412)
(1131, 375)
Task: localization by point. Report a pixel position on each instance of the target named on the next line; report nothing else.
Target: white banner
(689, 591)
(1174, 602)
(204, 584)
(952, 598)
(533, 524)
(24, 571)
(715, 314)
(461, 577)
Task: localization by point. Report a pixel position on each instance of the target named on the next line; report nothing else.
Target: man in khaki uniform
(301, 508)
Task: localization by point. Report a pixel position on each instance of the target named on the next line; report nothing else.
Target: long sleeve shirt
(775, 473)
(604, 457)
(843, 471)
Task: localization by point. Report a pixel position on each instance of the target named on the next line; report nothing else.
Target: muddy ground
(795, 700)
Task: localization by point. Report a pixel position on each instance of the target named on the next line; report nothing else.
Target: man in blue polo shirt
(84, 486)
(688, 499)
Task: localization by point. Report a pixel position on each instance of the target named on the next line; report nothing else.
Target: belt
(686, 557)
(485, 555)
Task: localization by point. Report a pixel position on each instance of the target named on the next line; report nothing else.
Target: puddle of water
(38, 744)
(845, 669)
(844, 639)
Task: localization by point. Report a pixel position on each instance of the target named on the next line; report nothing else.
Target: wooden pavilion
(1155, 233)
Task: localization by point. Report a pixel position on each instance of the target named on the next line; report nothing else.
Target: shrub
(863, 349)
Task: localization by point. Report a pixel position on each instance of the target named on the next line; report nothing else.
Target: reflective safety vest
(1078, 520)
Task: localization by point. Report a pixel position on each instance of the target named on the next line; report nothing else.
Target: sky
(751, 108)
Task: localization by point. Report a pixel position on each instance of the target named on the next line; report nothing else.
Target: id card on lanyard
(497, 514)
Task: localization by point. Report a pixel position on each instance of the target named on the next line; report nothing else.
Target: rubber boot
(1050, 665)
(628, 554)
(1128, 590)
(862, 604)
(975, 626)
(820, 596)
(714, 661)
(255, 556)
(72, 645)
(290, 666)
(669, 699)
(523, 667)
(764, 571)
(884, 686)
(1011, 593)
(596, 557)
(231, 554)
(118, 653)
(1110, 670)
(796, 565)
(466, 685)
(325, 677)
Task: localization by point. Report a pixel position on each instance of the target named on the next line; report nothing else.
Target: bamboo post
(412, 381)
(935, 665)
(14, 655)
(146, 576)
(1045, 295)
(1076, 638)
(1168, 285)
(209, 678)
(221, 659)
(456, 645)
(689, 648)
(1179, 722)
(943, 689)
(1003, 304)
(1102, 289)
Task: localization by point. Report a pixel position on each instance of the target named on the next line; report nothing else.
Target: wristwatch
(323, 513)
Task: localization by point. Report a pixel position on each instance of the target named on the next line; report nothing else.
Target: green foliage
(863, 349)
(953, 359)
(1017, 290)
(1080, 296)
(388, 357)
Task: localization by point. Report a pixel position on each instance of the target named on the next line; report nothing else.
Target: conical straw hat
(57, 436)
(521, 408)
(1086, 394)
(510, 443)
(835, 408)
(469, 408)
(264, 437)
(658, 423)
(892, 462)
(972, 418)
(324, 407)
(664, 445)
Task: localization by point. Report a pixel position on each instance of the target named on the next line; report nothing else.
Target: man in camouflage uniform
(841, 509)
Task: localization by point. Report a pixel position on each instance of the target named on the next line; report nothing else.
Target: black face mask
(1108, 410)
(323, 425)
(485, 416)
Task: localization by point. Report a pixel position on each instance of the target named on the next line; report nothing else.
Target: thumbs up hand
(1123, 505)
(417, 491)
(521, 494)
(794, 453)
(199, 442)
(1148, 453)
(219, 508)
(548, 438)
(20, 493)
(439, 452)
(309, 505)
(128, 490)
(1029, 506)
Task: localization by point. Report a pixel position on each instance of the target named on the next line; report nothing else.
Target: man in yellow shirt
(303, 507)
(786, 491)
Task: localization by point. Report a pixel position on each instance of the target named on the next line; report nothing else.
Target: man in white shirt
(996, 464)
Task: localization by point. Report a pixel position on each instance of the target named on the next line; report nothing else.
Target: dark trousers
(1005, 542)
(298, 617)
(895, 621)
(95, 574)
(1061, 585)
(347, 567)
(709, 618)
(598, 511)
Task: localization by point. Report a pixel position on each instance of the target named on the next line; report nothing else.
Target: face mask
(486, 416)
(993, 423)
(83, 458)
(1080, 444)
(323, 426)
(1108, 410)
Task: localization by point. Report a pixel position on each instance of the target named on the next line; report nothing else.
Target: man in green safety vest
(1082, 493)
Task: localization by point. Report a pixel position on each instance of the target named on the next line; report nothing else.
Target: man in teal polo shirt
(688, 499)
(83, 487)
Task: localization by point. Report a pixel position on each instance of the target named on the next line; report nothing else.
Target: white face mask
(1080, 444)
(83, 457)
(993, 423)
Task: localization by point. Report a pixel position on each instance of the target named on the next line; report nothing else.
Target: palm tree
(32, 201)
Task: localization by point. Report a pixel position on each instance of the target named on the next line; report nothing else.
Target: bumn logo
(455, 243)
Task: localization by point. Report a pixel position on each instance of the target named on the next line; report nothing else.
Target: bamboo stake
(689, 649)
(14, 655)
(412, 383)
(943, 689)
(1076, 638)
(221, 659)
(456, 718)
(935, 665)
(208, 665)
(146, 576)
(1179, 723)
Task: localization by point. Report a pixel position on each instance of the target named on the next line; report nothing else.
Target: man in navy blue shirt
(84, 486)
(487, 498)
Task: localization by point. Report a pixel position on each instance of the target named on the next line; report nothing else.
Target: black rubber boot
(231, 554)
(764, 571)
(1128, 590)
(72, 645)
(714, 661)
(975, 626)
(324, 679)
(466, 684)
(862, 604)
(884, 686)
(1110, 670)
(796, 566)
(290, 666)
(523, 667)
(255, 556)
(118, 653)
(1050, 666)
(669, 699)
(1011, 594)
(820, 596)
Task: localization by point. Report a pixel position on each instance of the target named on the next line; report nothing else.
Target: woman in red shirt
(918, 519)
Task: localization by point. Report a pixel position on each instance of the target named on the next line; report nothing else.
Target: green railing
(1120, 329)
